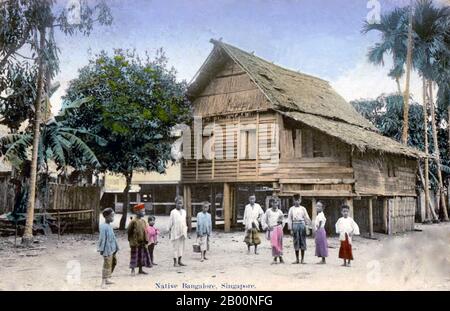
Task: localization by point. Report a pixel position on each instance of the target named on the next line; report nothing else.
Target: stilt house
(273, 131)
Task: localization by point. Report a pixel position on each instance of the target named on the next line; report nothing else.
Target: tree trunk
(126, 201)
(408, 76)
(27, 238)
(399, 89)
(428, 206)
(426, 182)
(448, 129)
(436, 151)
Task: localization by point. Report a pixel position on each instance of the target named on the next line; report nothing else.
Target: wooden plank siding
(386, 175)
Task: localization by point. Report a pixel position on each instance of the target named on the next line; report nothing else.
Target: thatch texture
(299, 96)
(287, 89)
(354, 135)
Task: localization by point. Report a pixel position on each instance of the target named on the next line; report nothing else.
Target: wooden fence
(73, 208)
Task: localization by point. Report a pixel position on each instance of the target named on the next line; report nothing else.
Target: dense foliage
(134, 104)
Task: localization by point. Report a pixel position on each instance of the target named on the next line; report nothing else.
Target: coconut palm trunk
(441, 195)
(408, 77)
(27, 237)
(429, 212)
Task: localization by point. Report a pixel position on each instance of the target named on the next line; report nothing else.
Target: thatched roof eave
(360, 138)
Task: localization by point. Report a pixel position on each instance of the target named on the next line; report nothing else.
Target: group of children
(272, 221)
(142, 238)
(143, 235)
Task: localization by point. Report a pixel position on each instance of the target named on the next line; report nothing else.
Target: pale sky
(320, 37)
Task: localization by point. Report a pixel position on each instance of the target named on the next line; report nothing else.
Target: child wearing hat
(137, 238)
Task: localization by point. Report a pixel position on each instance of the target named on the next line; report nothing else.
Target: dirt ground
(412, 261)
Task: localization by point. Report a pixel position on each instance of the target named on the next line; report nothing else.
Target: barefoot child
(152, 237)
(252, 216)
(178, 231)
(321, 235)
(204, 228)
(137, 238)
(273, 223)
(107, 246)
(346, 227)
(298, 218)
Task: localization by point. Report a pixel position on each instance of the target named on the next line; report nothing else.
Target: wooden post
(59, 226)
(349, 202)
(227, 207)
(313, 214)
(92, 221)
(385, 215)
(370, 217)
(15, 235)
(188, 205)
(213, 205)
(257, 144)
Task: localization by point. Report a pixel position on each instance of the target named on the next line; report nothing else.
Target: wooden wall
(313, 163)
(229, 163)
(386, 175)
(402, 212)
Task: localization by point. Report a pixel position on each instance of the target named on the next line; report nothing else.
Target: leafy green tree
(135, 103)
(386, 112)
(27, 35)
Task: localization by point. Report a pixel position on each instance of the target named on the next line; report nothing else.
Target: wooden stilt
(188, 205)
(313, 213)
(227, 207)
(370, 217)
(385, 215)
(349, 202)
(59, 226)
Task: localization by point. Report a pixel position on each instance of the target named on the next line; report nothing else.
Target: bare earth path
(413, 261)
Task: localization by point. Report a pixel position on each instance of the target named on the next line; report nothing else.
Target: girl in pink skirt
(321, 235)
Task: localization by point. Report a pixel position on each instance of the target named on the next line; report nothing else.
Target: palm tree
(58, 143)
(408, 76)
(396, 30)
(430, 37)
(393, 31)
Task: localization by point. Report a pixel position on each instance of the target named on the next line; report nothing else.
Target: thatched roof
(356, 136)
(284, 88)
(302, 97)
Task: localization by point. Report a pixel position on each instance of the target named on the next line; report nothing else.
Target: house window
(247, 143)
(297, 142)
(208, 146)
(317, 146)
(392, 172)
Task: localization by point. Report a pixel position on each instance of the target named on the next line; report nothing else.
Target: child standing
(321, 235)
(152, 237)
(346, 227)
(273, 222)
(204, 228)
(298, 219)
(107, 246)
(252, 216)
(137, 238)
